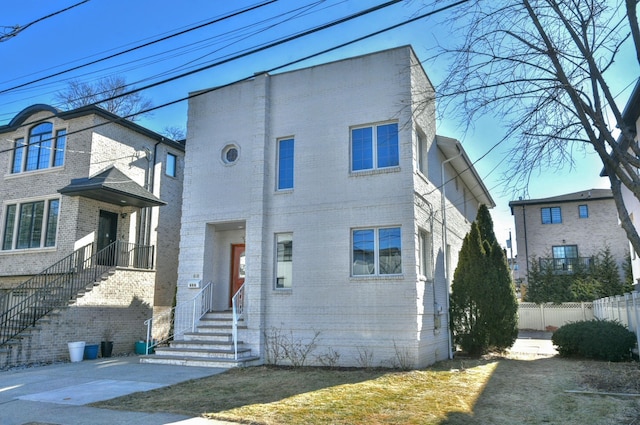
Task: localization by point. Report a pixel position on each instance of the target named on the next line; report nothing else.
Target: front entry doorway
(107, 234)
(237, 270)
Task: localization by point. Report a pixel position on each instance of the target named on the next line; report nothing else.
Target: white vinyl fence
(549, 316)
(622, 308)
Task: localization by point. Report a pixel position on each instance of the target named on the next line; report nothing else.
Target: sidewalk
(57, 394)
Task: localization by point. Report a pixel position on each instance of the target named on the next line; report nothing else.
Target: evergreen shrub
(595, 339)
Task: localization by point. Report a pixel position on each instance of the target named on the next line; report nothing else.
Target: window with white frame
(425, 254)
(31, 225)
(285, 164)
(171, 167)
(284, 260)
(421, 152)
(374, 146)
(42, 150)
(376, 251)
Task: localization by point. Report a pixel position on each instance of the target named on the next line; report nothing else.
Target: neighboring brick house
(332, 178)
(87, 176)
(564, 230)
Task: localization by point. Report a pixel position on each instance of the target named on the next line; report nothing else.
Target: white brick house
(86, 176)
(321, 189)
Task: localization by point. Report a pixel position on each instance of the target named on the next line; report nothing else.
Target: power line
(276, 68)
(214, 21)
(18, 29)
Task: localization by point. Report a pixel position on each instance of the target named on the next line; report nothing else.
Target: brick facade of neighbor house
(567, 228)
(87, 142)
(121, 303)
(232, 197)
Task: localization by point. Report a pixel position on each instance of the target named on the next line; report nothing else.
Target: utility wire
(18, 29)
(214, 21)
(279, 67)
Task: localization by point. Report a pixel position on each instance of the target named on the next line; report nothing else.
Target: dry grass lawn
(493, 390)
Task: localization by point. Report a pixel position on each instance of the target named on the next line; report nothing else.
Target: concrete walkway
(57, 394)
(534, 342)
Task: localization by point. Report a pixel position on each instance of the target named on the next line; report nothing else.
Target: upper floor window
(374, 147)
(551, 215)
(31, 225)
(421, 152)
(171, 169)
(41, 151)
(285, 164)
(583, 211)
(377, 251)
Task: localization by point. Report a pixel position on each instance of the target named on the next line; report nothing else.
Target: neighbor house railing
(621, 308)
(237, 311)
(188, 314)
(53, 288)
(566, 265)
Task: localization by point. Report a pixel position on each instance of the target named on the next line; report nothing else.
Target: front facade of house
(86, 176)
(565, 230)
(321, 191)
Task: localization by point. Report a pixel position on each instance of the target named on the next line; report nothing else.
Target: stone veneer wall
(121, 303)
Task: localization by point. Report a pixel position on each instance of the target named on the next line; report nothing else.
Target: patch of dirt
(612, 377)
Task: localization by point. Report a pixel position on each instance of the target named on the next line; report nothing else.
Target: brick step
(223, 363)
(208, 336)
(201, 352)
(206, 345)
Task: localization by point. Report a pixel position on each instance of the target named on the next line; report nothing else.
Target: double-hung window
(31, 225)
(374, 146)
(284, 260)
(376, 251)
(285, 164)
(41, 151)
(551, 215)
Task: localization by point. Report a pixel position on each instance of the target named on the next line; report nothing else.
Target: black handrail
(56, 286)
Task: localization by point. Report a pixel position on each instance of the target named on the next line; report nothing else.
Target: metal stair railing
(190, 312)
(53, 288)
(237, 308)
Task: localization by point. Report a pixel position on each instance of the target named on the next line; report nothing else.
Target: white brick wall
(225, 204)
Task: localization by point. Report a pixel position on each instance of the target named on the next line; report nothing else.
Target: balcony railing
(566, 265)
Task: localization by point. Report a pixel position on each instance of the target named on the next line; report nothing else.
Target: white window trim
(43, 236)
(376, 250)
(275, 263)
(374, 146)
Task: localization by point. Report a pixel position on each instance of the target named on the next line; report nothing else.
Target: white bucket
(76, 350)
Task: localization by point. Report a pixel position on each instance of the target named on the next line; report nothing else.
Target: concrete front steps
(211, 345)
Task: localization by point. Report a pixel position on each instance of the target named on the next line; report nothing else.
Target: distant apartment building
(565, 230)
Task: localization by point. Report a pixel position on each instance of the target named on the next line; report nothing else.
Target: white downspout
(444, 246)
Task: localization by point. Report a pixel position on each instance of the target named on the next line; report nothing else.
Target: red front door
(237, 269)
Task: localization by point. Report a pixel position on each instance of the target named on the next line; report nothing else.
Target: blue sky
(99, 28)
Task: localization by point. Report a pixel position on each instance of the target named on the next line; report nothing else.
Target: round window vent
(230, 154)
